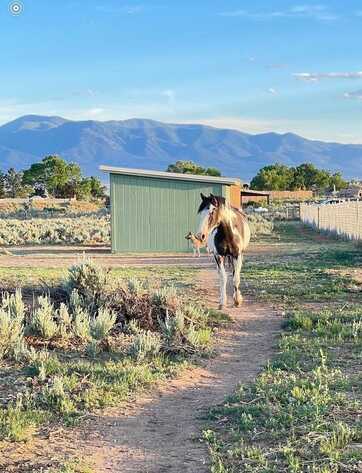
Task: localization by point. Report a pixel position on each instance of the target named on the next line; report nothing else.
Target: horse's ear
(214, 200)
(203, 197)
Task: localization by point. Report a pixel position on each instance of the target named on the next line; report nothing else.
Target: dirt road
(63, 256)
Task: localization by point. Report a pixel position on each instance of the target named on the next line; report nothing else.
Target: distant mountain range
(149, 144)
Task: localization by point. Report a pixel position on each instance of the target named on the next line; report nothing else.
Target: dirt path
(160, 433)
(58, 256)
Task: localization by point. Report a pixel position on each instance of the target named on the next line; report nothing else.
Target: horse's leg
(222, 279)
(198, 252)
(237, 264)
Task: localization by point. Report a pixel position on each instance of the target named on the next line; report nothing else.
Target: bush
(81, 324)
(91, 283)
(82, 230)
(43, 323)
(64, 321)
(102, 324)
(54, 396)
(92, 308)
(259, 225)
(16, 424)
(145, 344)
(12, 312)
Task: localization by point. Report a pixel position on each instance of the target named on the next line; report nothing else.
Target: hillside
(151, 144)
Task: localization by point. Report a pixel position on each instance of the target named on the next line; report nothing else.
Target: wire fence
(343, 219)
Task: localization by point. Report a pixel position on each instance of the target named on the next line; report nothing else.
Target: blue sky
(251, 65)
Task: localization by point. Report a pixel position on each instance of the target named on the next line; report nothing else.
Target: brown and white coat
(226, 231)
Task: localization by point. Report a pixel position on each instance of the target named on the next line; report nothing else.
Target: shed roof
(252, 192)
(170, 175)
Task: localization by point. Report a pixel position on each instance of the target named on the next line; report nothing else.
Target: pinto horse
(226, 231)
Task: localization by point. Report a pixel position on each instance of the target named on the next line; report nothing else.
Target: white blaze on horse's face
(204, 225)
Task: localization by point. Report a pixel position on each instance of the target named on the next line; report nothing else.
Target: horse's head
(209, 211)
(189, 236)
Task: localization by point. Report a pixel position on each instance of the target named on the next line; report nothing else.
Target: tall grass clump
(17, 424)
(43, 320)
(102, 324)
(12, 314)
(145, 344)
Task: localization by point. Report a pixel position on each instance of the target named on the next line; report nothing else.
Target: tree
(189, 167)
(97, 189)
(337, 181)
(303, 177)
(13, 183)
(307, 176)
(2, 185)
(274, 177)
(55, 173)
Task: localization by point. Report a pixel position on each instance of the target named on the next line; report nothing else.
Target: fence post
(318, 218)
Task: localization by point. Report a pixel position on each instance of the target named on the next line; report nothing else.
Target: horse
(226, 231)
(196, 243)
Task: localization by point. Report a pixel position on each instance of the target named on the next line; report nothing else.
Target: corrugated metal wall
(150, 214)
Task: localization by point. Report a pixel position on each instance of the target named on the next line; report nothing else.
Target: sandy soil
(161, 432)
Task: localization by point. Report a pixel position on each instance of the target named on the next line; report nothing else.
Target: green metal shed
(152, 211)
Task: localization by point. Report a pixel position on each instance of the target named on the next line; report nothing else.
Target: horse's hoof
(238, 301)
(221, 306)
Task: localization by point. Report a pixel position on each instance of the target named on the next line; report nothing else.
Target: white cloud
(94, 111)
(316, 12)
(272, 91)
(355, 95)
(170, 96)
(314, 77)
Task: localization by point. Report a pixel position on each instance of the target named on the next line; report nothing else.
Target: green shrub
(91, 282)
(259, 225)
(172, 328)
(81, 324)
(64, 321)
(16, 424)
(102, 324)
(43, 323)
(55, 397)
(199, 339)
(135, 286)
(13, 303)
(166, 298)
(145, 344)
(12, 313)
(42, 364)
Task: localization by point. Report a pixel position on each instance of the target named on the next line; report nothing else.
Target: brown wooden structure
(247, 195)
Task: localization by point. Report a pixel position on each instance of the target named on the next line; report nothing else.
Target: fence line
(344, 218)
